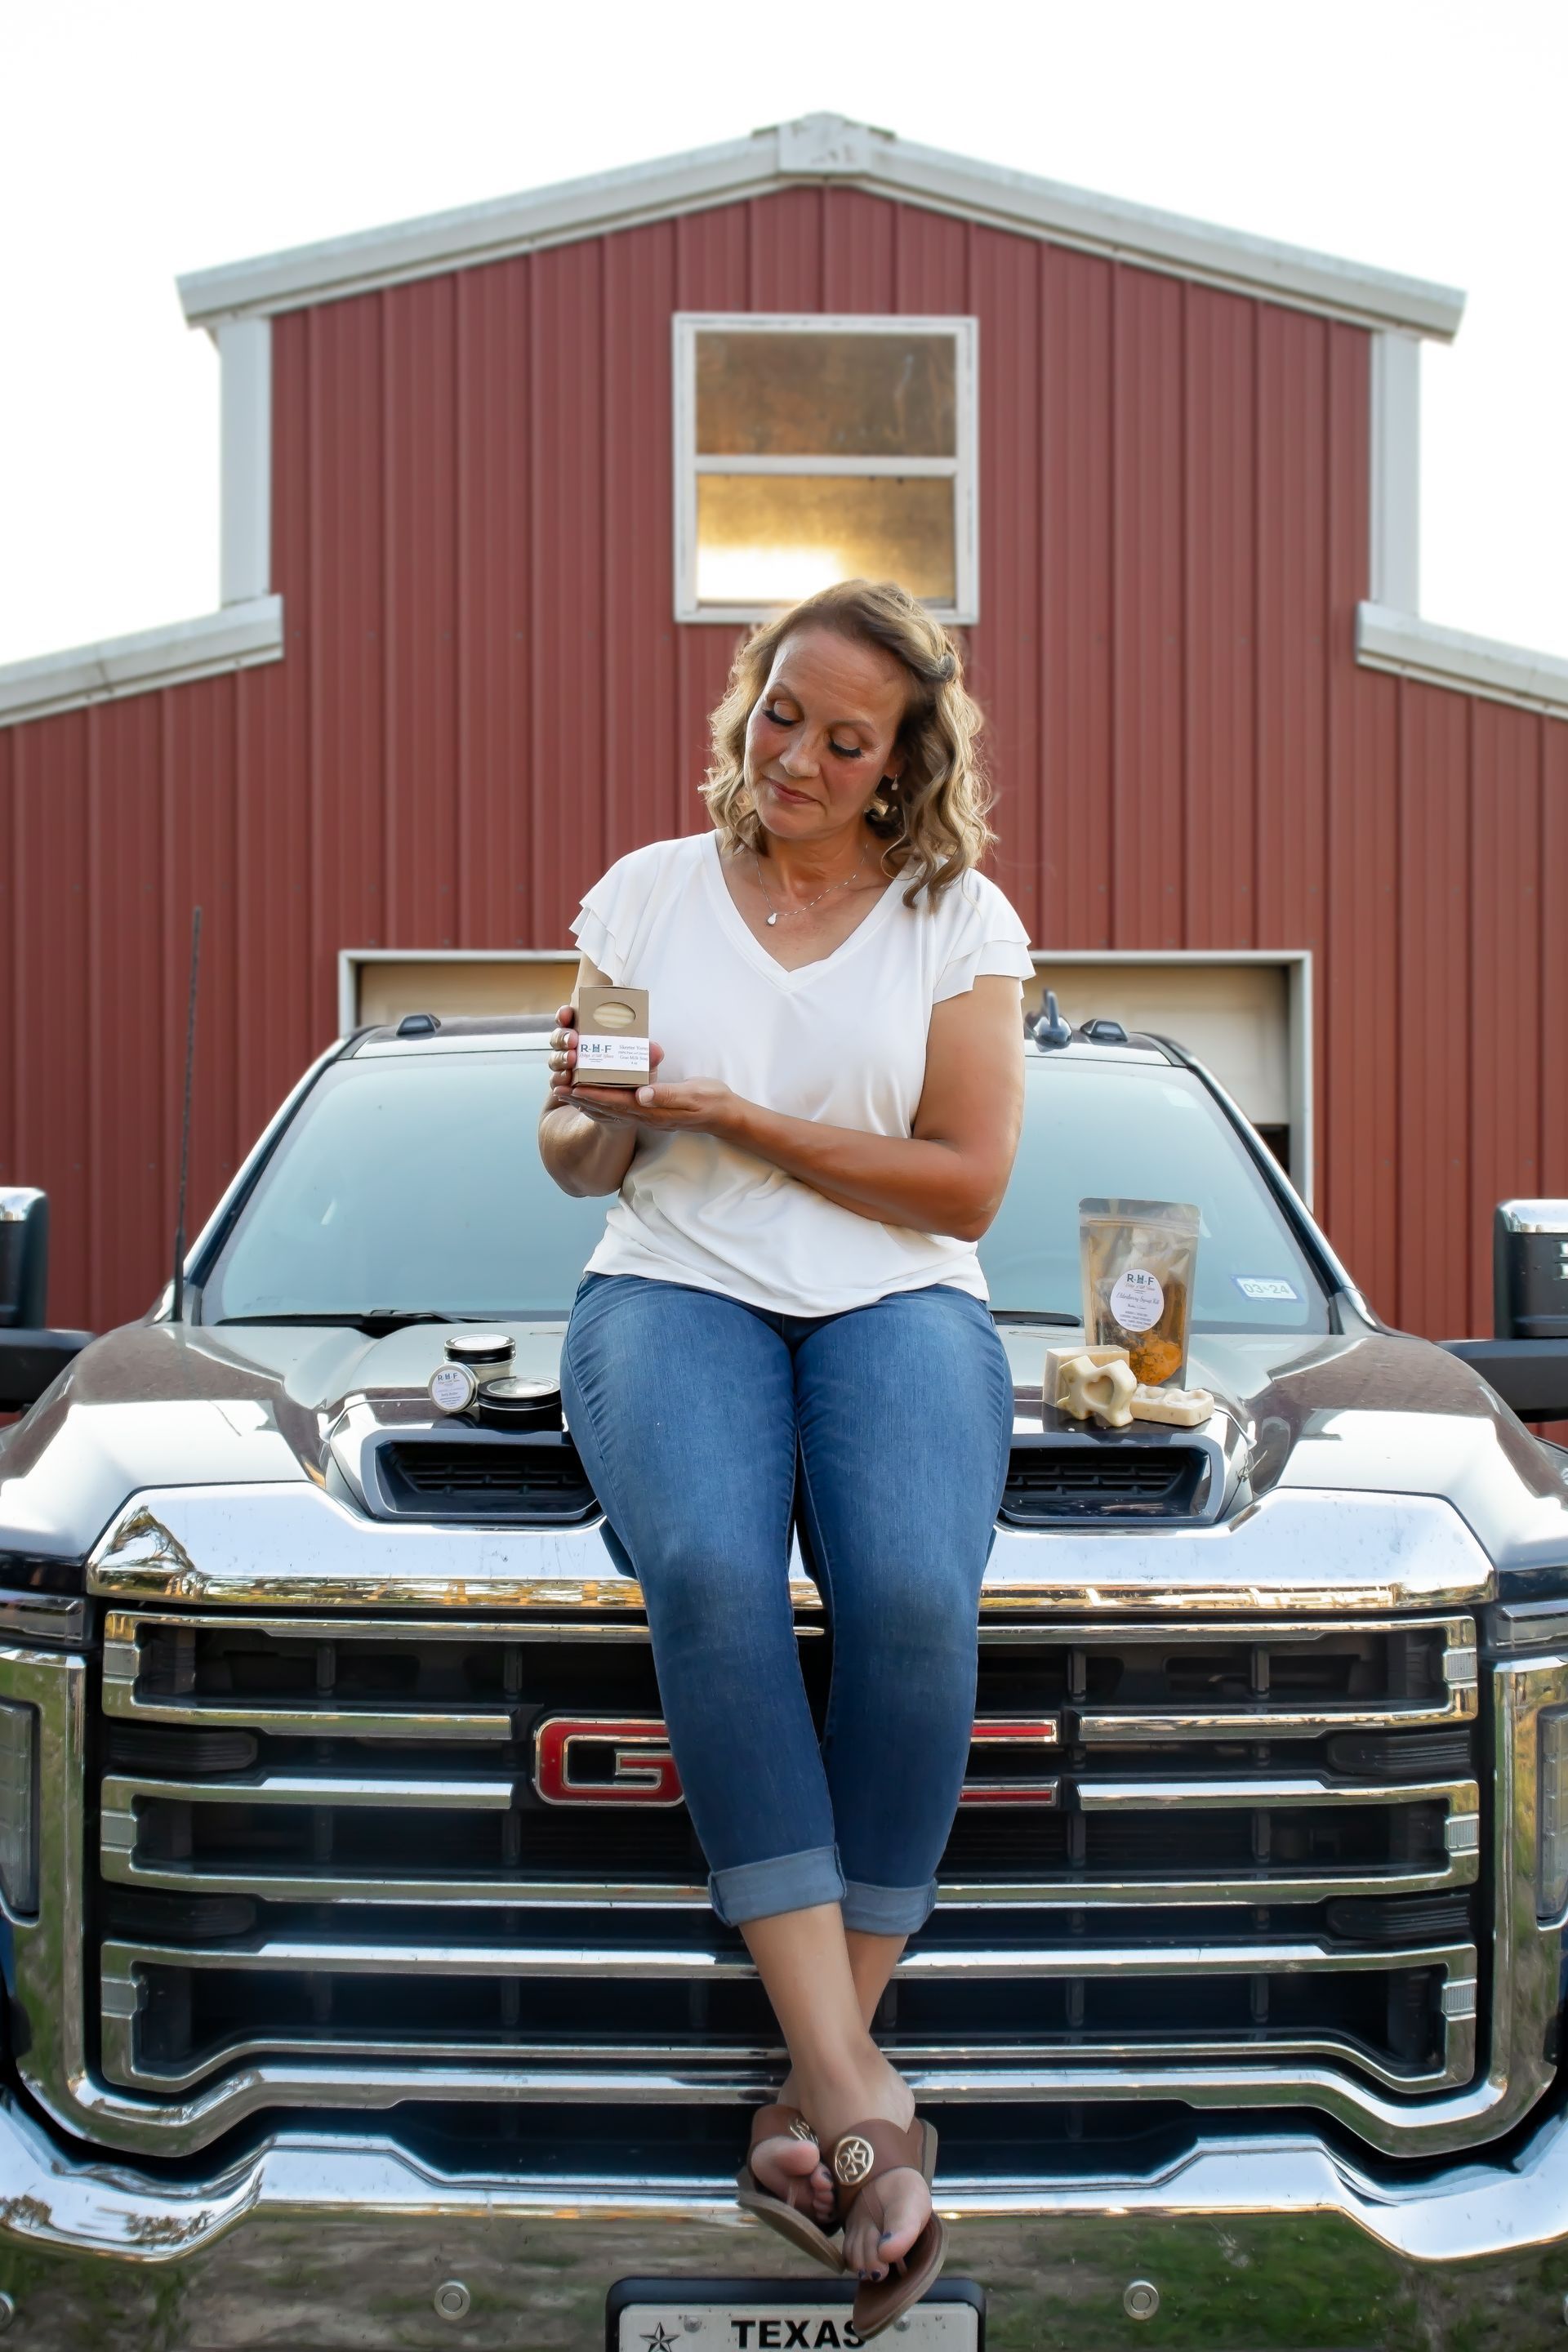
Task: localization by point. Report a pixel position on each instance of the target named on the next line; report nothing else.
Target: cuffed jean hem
(790, 1881)
(888, 1910)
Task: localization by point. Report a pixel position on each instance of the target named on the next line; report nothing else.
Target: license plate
(780, 2315)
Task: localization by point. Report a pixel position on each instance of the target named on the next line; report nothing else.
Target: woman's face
(821, 737)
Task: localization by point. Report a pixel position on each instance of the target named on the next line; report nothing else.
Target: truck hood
(155, 1406)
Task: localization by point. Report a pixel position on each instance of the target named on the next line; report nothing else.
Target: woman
(786, 1310)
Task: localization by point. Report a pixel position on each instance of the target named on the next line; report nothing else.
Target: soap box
(612, 1037)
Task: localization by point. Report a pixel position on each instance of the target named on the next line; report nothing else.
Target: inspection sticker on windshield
(1265, 1286)
(779, 2316)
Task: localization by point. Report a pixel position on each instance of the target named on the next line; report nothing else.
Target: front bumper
(323, 2241)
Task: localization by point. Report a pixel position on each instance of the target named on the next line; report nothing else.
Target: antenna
(177, 1309)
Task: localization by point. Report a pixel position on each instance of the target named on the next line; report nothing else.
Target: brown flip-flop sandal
(789, 2220)
(862, 2155)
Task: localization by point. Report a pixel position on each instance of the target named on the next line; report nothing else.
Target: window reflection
(767, 539)
(824, 395)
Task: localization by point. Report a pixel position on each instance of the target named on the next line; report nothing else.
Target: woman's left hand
(706, 1105)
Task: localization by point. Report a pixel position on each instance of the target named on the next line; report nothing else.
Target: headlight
(1552, 1813)
(18, 1806)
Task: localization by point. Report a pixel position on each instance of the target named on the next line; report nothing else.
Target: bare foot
(793, 2168)
(884, 2222)
(889, 2215)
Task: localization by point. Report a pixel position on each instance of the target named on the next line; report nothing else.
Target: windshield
(1143, 1131)
(412, 1181)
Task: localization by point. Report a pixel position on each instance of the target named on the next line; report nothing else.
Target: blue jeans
(695, 1415)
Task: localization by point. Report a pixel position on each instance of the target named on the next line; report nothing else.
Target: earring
(877, 806)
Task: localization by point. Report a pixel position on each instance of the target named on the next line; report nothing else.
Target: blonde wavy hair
(931, 817)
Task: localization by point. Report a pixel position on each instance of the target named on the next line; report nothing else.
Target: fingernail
(645, 1095)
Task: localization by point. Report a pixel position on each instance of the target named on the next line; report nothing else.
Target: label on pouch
(596, 1052)
(1137, 1300)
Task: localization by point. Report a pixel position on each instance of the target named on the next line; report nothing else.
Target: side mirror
(30, 1355)
(24, 1258)
(1530, 1270)
(1526, 1361)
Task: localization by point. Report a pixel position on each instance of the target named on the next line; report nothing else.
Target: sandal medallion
(853, 2159)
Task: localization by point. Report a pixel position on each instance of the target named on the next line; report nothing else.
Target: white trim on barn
(962, 469)
(1395, 488)
(236, 637)
(820, 146)
(1414, 648)
(1390, 633)
(247, 627)
(245, 352)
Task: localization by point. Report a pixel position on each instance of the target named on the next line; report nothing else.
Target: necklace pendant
(771, 921)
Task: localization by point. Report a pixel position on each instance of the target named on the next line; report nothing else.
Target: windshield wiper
(374, 1321)
(1036, 1315)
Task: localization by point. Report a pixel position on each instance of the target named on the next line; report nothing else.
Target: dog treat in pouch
(612, 1037)
(1140, 1261)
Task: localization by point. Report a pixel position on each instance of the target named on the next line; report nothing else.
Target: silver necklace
(806, 905)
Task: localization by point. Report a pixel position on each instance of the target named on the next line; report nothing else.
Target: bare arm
(947, 1177)
(587, 1144)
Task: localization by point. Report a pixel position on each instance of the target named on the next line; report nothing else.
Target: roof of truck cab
(530, 1031)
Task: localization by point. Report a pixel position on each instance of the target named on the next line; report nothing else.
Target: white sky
(141, 138)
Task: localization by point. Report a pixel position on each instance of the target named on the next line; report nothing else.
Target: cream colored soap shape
(1103, 1390)
(1056, 1356)
(1180, 1407)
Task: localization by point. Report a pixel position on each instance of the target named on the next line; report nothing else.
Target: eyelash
(839, 751)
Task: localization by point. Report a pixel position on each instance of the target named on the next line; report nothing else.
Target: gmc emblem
(604, 1760)
(640, 1768)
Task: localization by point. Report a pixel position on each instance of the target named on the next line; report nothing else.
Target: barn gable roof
(820, 148)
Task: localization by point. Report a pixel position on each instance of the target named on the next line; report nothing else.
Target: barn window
(814, 449)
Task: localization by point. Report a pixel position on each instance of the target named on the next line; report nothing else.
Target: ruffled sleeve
(614, 913)
(987, 938)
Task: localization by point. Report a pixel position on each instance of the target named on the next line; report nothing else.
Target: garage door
(1235, 1017)
(380, 987)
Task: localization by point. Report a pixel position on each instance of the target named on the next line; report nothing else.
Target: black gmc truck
(361, 1987)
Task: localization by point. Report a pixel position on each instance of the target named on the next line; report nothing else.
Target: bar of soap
(1181, 1408)
(612, 1037)
(1056, 1356)
(1084, 1387)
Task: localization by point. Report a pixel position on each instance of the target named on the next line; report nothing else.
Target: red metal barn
(492, 504)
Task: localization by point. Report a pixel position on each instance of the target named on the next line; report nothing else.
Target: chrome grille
(1188, 1854)
(173, 2015)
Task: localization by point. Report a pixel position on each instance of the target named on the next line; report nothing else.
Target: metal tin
(480, 1349)
(452, 1388)
(521, 1404)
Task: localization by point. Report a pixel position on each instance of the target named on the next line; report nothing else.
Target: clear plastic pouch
(1140, 1260)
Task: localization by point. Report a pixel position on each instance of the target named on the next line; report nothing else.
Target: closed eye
(839, 751)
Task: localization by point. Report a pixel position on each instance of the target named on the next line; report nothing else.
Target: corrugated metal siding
(485, 699)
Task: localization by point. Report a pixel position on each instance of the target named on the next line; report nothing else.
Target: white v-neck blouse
(842, 1040)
